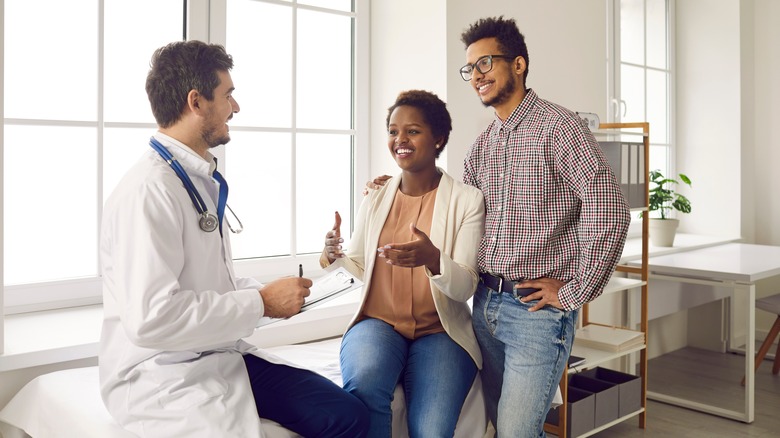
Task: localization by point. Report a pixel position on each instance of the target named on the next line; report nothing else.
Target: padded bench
(68, 403)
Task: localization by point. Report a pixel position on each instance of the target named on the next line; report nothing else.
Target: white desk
(736, 266)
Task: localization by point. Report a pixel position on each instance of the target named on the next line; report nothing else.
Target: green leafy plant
(663, 198)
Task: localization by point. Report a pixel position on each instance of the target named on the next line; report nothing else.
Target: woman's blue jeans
(436, 374)
(523, 355)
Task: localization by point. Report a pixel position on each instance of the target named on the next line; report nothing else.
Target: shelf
(610, 133)
(610, 424)
(618, 284)
(595, 356)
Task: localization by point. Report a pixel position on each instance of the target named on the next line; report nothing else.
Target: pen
(300, 270)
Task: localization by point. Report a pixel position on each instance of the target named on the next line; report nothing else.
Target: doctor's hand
(418, 252)
(284, 297)
(375, 184)
(333, 241)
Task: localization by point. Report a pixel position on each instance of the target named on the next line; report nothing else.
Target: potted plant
(664, 199)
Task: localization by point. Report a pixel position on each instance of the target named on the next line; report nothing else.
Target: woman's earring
(437, 146)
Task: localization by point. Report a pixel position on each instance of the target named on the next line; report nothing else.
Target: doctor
(172, 361)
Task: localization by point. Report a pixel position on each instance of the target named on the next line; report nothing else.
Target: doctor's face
(219, 111)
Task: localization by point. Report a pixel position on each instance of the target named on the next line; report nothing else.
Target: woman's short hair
(434, 111)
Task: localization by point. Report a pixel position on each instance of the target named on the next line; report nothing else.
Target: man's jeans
(436, 373)
(524, 354)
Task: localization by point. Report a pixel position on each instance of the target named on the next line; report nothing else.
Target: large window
(293, 140)
(642, 79)
(76, 117)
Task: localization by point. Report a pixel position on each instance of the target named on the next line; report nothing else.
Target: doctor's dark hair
(510, 41)
(178, 68)
(433, 109)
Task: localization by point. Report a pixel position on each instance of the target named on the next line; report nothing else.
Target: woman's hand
(417, 252)
(333, 241)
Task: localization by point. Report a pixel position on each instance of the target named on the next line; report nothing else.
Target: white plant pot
(662, 231)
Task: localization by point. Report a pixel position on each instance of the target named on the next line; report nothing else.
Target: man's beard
(213, 139)
(503, 94)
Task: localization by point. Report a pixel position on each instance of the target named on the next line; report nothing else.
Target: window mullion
(294, 137)
(100, 121)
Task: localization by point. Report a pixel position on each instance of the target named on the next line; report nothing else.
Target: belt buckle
(500, 285)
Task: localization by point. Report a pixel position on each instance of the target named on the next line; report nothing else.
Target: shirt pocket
(528, 182)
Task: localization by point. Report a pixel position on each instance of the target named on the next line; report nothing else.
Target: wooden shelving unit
(618, 283)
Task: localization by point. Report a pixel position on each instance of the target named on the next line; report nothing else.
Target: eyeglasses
(483, 65)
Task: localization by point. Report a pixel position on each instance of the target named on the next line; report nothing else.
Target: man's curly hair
(510, 40)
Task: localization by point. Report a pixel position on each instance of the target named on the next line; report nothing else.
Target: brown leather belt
(501, 285)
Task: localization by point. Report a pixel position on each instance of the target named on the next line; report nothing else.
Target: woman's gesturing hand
(417, 252)
(333, 241)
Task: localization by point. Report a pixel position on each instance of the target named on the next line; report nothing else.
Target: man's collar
(187, 156)
(519, 112)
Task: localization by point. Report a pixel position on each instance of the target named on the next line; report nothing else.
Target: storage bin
(629, 388)
(606, 397)
(581, 406)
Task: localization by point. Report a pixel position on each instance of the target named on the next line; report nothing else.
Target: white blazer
(456, 230)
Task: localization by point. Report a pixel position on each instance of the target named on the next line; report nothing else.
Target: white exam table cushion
(67, 403)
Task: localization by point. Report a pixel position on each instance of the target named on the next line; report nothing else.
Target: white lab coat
(171, 350)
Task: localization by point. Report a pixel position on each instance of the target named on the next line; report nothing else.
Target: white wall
(728, 96)
(407, 52)
(567, 61)
(761, 141)
(2, 227)
(761, 184)
(709, 126)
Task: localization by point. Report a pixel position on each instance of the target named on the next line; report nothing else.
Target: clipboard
(332, 285)
(328, 287)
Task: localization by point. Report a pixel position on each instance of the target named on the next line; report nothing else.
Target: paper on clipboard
(330, 286)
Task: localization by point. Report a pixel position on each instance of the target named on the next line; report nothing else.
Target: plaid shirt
(553, 206)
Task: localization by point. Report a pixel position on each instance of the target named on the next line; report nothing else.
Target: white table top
(731, 261)
(682, 242)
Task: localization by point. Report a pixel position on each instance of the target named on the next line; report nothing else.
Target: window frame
(198, 24)
(614, 98)
(268, 268)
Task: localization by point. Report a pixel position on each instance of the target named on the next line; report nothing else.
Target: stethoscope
(208, 222)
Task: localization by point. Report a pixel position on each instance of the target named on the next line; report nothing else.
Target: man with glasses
(555, 226)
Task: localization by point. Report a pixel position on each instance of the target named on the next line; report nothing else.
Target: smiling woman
(419, 270)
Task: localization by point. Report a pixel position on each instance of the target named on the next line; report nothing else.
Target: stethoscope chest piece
(208, 222)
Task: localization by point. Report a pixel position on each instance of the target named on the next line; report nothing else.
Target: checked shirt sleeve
(604, 219)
